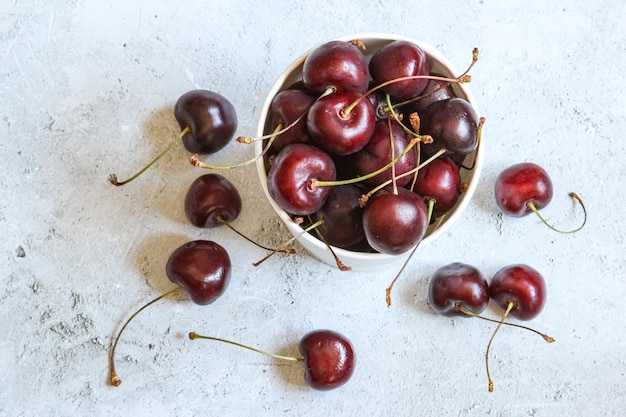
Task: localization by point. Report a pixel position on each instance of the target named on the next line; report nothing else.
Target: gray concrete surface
(88, 89)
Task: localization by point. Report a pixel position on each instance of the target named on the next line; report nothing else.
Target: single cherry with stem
(201, 269)
(328, 357)
(207, 120)
(213, 201)
(520, 291)
(456, 288)
(526, 188)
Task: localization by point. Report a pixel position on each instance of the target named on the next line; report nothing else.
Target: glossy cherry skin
(210, 196)
(377, 153)
(440, 181)
(338, 132)
(336, 64)
(342, 214)
(458, 284)
(394, 223)
(521, 284)
(521, 184)
(453, 124)
(290, 178)
(211, 118)
(400, 59)
(287, 107)
(201, 268)
(329, 359)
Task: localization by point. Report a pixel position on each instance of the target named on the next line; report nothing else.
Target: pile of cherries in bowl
(371, 147)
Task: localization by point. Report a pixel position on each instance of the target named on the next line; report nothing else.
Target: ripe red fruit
(520, 186)
(329, 359)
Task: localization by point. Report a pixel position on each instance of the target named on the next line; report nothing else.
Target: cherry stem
(431, 204)
(114, 379)
(282, 246)
(194, 336)
(197, 163)
(509, 307)
(340, 265)
(461, 79)
(575, 196)
(464, 310)
(248, 140)
(367, 196)
(318, 183)
(113, 178)
(288, 251)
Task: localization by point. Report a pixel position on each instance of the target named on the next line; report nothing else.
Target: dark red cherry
(394, 223)
(436, 90)
(453, 124)
(337, 64)
(521, 285)
(288, 107)
(211, 118)
(521, 185)
(336, 129)
(211, 201)
(377, 153)
(342, 214)
(201, 268)
(458, 285)
(400, 59)
(290, 180)
(329, 359)
(440, 182)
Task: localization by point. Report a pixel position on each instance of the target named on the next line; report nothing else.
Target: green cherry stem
(509, 307)
(113, 178)
(318, 183)
(284, 244)
(194, 336)
(464, 310)
(114, 379)
(220, 219)
(431, 205)
(575, 196)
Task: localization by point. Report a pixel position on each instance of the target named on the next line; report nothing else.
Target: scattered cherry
(328, 357)
(521, 291)
(208, 122)
(457, 288)
(526, 188)
(201, 269)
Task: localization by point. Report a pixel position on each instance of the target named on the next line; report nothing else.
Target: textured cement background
(88, 89)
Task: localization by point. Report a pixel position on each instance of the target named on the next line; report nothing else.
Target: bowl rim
(315, 245)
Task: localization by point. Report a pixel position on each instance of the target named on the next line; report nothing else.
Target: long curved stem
(114, 379)
(464, 310)
(113, 178)
(575, 196)
(509, 307)
(284, 244)
(194, 335)
(220, 219)
(316, 183)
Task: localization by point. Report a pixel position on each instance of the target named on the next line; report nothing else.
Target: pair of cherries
(202, 270)
(459, 289)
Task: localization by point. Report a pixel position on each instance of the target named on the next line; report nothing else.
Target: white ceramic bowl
(368, 260)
